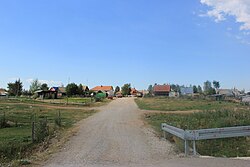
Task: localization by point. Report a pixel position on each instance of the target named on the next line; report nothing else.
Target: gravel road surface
(117, 136)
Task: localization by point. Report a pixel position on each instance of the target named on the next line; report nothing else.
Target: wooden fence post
(33, 132)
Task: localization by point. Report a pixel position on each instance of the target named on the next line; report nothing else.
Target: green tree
(35, 85)
(44, 87)
(26, 93)
(72, 89)
(199, 89)
(211, 91)
(80, 90)
(208, 89)
(150, 89)
(15, 89)
(126, 89)
(216, 84)
(195, 89)
(207, 86)
(117, 89)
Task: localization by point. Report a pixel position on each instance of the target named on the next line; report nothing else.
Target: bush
(3, 122)
(42, 130)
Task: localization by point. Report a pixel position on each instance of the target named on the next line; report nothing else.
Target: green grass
(79, 100)
(16, 141)
(71, 100)
(229, 147)
(172, 104)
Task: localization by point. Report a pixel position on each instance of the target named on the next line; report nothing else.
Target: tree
(72, 89)
(15, 89)
(150, 89)
(126, 89)
(117, 89)
(80, 90)
(199, 89)
(195, 89)
(44, 87)
(216, 84)
(26, 93)
(208, 88)
(35, 85)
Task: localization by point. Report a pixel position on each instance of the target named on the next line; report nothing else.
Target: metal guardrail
(204, 134)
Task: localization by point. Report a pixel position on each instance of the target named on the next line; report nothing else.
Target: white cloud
(220, 9)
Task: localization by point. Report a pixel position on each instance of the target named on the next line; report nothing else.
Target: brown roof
(102, 88)
(161, 88)
(62, 89)
(2, 90)
(133, 90)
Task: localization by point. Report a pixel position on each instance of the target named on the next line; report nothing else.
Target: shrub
(42, 130)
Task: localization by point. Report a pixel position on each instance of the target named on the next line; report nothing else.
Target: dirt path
(117, 136)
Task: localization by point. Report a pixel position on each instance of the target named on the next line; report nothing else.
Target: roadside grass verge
(16, 135)
(180, 104)
(229, 147)
(71, 101)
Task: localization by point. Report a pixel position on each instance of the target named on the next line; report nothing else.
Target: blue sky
(113, 42)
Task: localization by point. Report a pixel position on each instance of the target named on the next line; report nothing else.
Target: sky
(113, 42)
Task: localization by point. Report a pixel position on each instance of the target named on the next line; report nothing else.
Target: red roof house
(161, 90)
(102, 88)
(105, 89)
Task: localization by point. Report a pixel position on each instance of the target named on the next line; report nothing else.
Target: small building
(144, 92)
(3, 93)
(61, 92)
(119, 94)
(161, 90)
(133, 92)
(85, 88)
(105, 89)
(139, 94)
(173, 94)
(226, 92)
(186, 90)
(46, 94)
(246, 99)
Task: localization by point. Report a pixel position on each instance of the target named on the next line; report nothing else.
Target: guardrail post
(186, 148)
(194, 148)
(164, 135)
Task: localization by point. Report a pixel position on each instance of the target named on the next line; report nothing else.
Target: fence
(204, 134)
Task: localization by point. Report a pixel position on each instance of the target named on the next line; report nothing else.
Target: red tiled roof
(102, 88)
(161, 88)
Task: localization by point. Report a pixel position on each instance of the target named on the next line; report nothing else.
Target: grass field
(15, 139)
(213, 115)
(173, 104)
(71, 100)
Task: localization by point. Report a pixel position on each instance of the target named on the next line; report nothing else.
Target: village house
(85, 88)
(161, 90)
(133, 92)
(229, 92)
(186, 90)
(174, 94)
(104, 89)
(3, 92)
(246, 99)
(61, 92)
(144, 92)
(119, 94)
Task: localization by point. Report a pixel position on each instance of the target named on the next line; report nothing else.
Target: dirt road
(117, 136)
